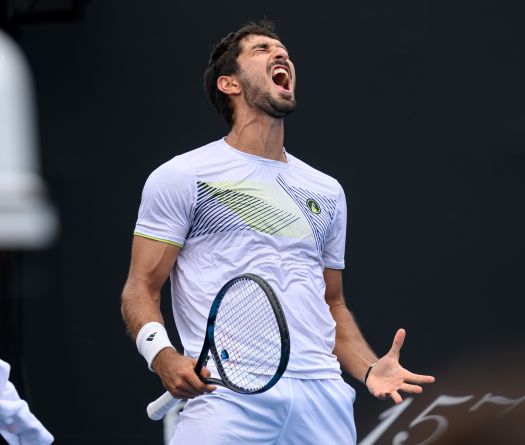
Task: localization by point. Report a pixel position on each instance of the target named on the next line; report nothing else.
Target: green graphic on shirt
(313, 206)
(274, 208)
(247, 205)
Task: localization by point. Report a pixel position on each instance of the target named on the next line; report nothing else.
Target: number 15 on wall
(439, 421)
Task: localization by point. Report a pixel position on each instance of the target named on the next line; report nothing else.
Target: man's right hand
(177, 373)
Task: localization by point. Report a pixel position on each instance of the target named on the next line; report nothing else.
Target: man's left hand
(388, 377)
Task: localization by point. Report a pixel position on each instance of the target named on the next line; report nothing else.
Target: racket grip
(159, 407)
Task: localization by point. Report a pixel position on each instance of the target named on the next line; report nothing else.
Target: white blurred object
(171, 420)
(27, 219)
(17, 424)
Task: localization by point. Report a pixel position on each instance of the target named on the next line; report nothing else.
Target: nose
(280, 53)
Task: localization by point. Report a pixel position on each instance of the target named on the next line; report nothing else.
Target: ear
(229, 85)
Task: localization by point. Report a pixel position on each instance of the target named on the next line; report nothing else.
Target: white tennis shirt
(232, 213)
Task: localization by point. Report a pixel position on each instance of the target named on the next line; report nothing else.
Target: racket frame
(209, 344)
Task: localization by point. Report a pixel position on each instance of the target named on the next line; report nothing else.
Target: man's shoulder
(182, 167)
(196, 155)
(188, 160)
(202, 152)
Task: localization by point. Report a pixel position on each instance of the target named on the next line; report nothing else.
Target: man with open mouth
(245, 204)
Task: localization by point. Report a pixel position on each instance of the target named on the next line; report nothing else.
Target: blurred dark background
(417, 108)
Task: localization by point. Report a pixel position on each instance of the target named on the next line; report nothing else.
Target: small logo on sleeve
(313, 206)
(151, 337)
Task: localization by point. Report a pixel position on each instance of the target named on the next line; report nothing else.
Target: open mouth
(281, 78)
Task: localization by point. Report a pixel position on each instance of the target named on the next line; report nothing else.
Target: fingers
(418, 378)
(380, 395)
(177, 373)
(413, 389)
(186, 387)
(396, 397)
(397, 344)
(190, 382)
(206, 374)
(182, 394)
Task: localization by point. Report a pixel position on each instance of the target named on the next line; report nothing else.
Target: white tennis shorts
(293, 412)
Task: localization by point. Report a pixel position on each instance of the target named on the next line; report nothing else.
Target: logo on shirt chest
(313, 206)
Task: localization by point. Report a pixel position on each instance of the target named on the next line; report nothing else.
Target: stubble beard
(264, 101)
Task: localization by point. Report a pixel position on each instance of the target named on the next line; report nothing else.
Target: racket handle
(159, 407)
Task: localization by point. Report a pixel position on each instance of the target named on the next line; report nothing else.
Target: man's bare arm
(387, 377)
(351, 349)
(151, 264)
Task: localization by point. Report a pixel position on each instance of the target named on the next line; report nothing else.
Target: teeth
(278, 79)
(279, 71)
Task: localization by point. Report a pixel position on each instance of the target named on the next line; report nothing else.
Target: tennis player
(245, 204)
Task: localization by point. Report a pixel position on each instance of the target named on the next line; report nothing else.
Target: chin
(282, 110)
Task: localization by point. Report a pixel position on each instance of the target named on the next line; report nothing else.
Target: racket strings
(247, 336)
(246, 318)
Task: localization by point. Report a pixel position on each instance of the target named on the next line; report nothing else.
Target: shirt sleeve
(334, 250)
(18, 425)
(167, 202)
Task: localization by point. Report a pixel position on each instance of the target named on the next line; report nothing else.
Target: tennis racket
(248, 338)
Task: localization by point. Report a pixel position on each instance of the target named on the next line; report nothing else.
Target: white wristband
(151, 339)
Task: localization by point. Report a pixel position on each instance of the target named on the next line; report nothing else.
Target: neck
(259, 135)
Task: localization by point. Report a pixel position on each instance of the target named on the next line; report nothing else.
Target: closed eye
(261, 47)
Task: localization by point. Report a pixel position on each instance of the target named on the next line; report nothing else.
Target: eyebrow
(265, 45)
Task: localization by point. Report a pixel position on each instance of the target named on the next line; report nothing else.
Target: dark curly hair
(223, 62)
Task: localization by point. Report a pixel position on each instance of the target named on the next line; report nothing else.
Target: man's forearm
(351, 349)
(139, 306)
(151, 264)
